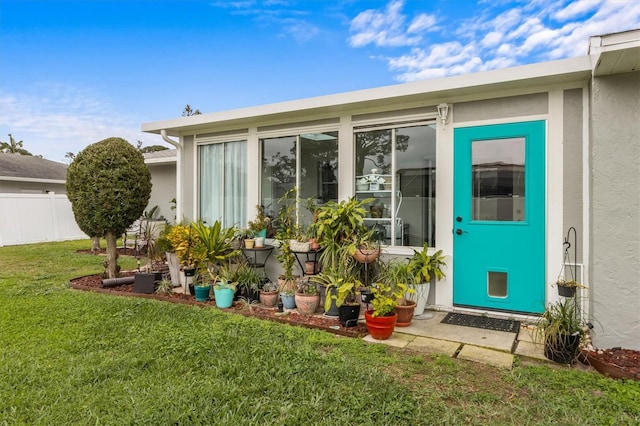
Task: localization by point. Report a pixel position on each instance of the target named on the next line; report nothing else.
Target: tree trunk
(95, 244)
(112, 255)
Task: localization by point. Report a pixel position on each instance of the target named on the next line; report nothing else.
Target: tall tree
(13, 147)
(189, 112)
(109, 186)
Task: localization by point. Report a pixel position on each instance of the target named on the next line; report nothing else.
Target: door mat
(486, 323)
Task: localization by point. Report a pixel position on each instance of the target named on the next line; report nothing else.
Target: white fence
(35, 218)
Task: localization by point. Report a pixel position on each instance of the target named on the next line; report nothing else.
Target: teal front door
(499, 217)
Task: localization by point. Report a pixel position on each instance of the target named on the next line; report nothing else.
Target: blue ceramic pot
(224, 296)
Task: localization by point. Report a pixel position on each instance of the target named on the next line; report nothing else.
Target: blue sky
(75, 72)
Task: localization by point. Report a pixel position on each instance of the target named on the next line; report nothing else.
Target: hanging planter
(366, 255)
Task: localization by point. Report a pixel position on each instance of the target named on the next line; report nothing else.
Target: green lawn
(72, 357)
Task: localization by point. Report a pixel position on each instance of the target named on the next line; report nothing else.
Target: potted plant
(218, 251)
(397, 274)
(424, 268)
(284, 233)
(338, 227)
(202, 287)
(561, 329)
(248, 238)
(261, 223)
(189, 250)
(381, 320)
(269, 294)
(145, 280)
(300, 241)
(567, 288)
(333, 275)
(249, 281)
(307, 297)
(223, 291)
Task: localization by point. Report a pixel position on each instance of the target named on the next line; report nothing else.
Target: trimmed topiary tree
(109, 186)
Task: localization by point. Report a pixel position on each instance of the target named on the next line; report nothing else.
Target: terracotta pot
(307, 304)
(363, 255)
(269, 298)
(314, 245)
(309, 267)
(380, 328)
(249, 243)
(405, 314)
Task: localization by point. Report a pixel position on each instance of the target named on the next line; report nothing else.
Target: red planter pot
(380, 328)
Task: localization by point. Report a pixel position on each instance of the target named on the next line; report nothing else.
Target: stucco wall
(615, 210)
(163, 178)
(512, 106)
(572, 167)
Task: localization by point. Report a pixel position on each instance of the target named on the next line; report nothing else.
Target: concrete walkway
(427, 334)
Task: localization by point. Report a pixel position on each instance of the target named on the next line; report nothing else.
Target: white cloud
(386, 28)
(60, 118)
(492, 39)
(575, 9)
(422, 22)
(530, 31)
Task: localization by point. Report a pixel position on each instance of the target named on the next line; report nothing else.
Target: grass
(71, 357)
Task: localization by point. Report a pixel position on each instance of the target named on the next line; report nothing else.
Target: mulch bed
(94, 283)
(618, 363)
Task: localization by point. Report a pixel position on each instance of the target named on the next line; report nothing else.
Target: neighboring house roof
(28, 168)
(158, 157)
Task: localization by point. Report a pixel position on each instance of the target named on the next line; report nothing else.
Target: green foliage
(187, 245)
(109, 186)
(338, 228)
(385, 298)
(425, 266)
(216, 242)
(286, 231)
(261, 221)
(394, 273)
(559, 320)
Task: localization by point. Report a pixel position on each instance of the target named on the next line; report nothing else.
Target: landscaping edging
(317, 322)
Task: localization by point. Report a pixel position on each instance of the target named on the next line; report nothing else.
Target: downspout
(179, 147)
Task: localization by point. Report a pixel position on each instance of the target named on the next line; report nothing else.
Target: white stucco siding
(615, 210)
(163, 178)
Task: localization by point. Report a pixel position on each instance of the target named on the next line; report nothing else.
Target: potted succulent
(269, 294)
(561, 329)
(397, 274)
(381, 320)
(425, 269)
(202, 287)
(307, 297)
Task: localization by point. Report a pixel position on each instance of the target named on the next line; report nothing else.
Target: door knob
(460, 231)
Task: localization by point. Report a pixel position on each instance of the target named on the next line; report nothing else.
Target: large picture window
(397, 167)
(307, 161)
(223, 183)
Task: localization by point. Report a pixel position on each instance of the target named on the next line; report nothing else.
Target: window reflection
(498, 172)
